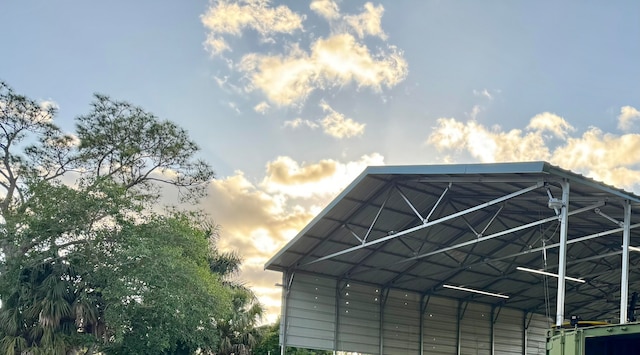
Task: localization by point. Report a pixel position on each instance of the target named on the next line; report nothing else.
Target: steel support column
(424, 301)
(562, 257)
(384, 293)
(286, 287)
(624, 279)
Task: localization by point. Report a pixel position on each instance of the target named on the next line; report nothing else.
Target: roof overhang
(419, 228)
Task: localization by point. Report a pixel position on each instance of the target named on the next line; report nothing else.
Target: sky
(291, 100)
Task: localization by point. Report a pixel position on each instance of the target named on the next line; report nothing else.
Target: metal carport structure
(442, 259)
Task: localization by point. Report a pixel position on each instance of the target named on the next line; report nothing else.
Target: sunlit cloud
(325, 8)
(487, 145)
(335, 61)
(286, 171)
(628, 114)
(550, 122)
(232, 17)
(606, 157)
(337, 125)
(262, 107)
(369, 22)
(322, 179)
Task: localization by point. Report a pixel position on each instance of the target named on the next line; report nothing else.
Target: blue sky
(291, 100)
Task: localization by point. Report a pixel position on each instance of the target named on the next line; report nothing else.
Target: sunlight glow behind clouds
(550, 122)
(603, 156)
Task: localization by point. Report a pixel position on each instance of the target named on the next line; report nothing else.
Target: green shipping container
(613, 339)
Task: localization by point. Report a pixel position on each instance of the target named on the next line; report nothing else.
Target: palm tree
(238, 333)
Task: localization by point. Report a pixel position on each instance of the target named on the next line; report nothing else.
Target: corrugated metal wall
(475, 329)
(441, 326)
(507, 331)
(359, 326)
(311, 313)
(401, 323)
(320, 310)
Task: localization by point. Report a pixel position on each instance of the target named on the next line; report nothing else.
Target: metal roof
(418, 228)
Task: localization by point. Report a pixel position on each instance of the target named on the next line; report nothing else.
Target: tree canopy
(88, 263)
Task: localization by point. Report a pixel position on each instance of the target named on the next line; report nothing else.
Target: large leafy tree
(86, 263)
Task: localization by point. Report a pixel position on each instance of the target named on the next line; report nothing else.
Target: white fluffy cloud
(325, 8)
(628, 114)
(338, 60)
(337, 125)
(369, 22)
(231, 17)
(550, 122)
(606, 157)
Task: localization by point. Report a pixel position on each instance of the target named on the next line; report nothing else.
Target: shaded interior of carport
(445, 259)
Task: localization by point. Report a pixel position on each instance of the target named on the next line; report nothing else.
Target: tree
(237, 332)
(86, 263)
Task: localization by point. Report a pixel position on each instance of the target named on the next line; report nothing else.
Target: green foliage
(168, 299)
(85, 264)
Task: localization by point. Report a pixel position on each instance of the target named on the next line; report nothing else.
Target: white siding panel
(440, 326)
(507, 332)
(475, 326)
(359, 319)
(401, 323)
(311, 312)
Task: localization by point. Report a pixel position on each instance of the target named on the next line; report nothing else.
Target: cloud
(335, 61)
(286, 171)
(335, 124)
(300, 122)
(487, 145)
(232, 17)
(368, 22)
(325, 8)
(475, 111)
(627, 115)
(605, 157)
(483, 93)
(550, 122)
(321, 180)
(262, 107)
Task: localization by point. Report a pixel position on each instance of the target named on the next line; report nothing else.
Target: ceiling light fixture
(574, 279)
(475, 291)
(634, 248)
